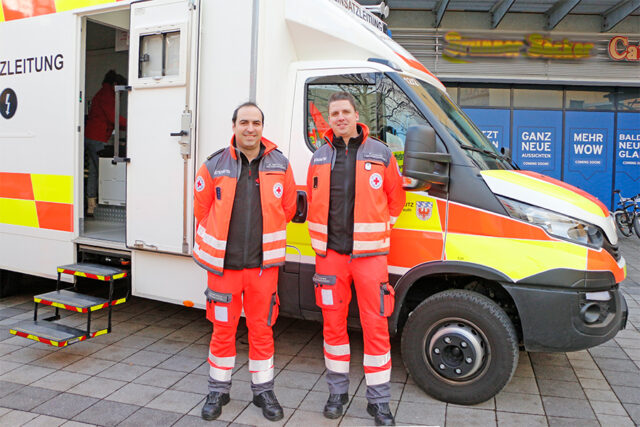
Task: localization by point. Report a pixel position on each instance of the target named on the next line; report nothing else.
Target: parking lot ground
(152, 370)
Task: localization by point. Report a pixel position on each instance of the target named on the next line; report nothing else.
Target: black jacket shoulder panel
(216, 153)
(375, 150)
(322, 155)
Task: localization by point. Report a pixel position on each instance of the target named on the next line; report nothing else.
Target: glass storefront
(588, 137)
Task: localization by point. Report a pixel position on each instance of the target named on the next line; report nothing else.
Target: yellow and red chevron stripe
(58, 343)
(19, 9)
(78, 309)
(36, 200)
(92, 276)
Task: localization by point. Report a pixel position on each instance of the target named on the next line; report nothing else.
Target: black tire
(464, 312)
(624, 224)
(636, 224)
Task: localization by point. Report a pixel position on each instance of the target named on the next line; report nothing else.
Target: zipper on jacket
(345, 203)
(247, 222)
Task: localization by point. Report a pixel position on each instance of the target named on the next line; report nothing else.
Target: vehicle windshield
(458, 125)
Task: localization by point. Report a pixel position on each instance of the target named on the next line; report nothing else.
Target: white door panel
(159, 175)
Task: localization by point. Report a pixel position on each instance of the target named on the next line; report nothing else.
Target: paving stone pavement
(152, 370)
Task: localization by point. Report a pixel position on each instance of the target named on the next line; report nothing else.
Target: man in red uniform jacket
(245, 195)
(355, 196)
(98, 129)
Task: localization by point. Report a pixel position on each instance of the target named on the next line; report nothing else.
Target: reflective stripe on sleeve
(210, 240)
(274, 237)
(318, 244)
(370, 227)
(337, 350)
(318, 228)
(376, 378)
(215, 261)
(274, 254)
(376, 361)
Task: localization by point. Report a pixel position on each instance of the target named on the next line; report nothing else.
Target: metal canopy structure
(611, 11)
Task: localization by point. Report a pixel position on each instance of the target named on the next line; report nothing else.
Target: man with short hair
(355, 196)
(244, 197)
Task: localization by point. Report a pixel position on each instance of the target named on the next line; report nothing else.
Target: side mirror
(422, 163)
(301, 209)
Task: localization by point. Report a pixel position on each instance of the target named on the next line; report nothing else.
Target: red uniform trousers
(334, 274)
(257, 290)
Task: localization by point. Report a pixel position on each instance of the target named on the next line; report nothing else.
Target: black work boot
(381, 413)
(333, 408)
(271, 409)
(213, 406)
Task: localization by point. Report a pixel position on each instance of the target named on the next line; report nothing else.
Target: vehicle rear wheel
(460, 347)
(623, 222)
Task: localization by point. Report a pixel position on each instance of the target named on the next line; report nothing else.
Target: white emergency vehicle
(484, 257)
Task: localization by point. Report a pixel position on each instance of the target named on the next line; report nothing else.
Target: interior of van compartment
(106, 48)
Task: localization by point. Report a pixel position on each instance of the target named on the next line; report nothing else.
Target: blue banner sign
(537, 141)
(588, 152)
(627, 178)
(494, 124)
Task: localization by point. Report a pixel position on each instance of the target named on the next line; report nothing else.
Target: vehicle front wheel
(460, 347)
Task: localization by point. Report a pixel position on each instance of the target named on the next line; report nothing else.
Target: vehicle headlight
(556, 224)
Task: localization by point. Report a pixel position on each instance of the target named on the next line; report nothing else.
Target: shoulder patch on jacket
(374, 149)
(274, 161)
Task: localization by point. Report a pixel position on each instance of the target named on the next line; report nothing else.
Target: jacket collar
(268, 147)
(362, 129)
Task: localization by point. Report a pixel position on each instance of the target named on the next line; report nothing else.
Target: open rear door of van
(161, 101)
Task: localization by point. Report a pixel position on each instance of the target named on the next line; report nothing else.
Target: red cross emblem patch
(199, 184)
(277, 190)
(375, 181)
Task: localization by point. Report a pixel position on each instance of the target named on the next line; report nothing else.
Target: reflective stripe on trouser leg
(337, 352)
(337, 357)
(221, 367)
(222, 348)
(258, 292)
(377, 368)
(368, 274)
(261, 370)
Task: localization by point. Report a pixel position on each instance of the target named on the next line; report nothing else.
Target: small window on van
(159, 55)
(382, 106)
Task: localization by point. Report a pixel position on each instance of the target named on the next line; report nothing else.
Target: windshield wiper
(480, 150)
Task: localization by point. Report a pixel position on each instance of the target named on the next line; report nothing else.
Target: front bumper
(567, 319)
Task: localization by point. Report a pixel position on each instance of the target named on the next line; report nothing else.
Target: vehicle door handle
(181, 133)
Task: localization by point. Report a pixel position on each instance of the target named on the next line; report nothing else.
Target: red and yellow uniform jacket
(215, 190)
(379, 197)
